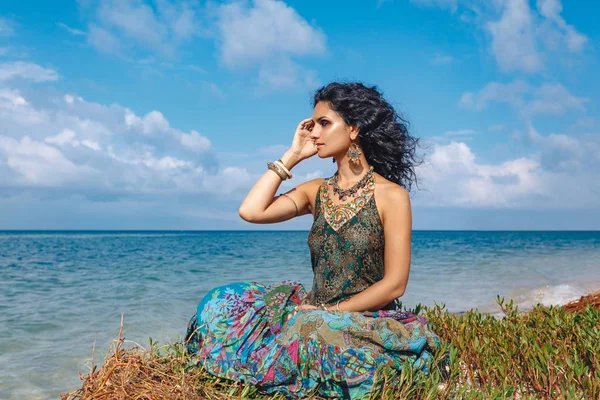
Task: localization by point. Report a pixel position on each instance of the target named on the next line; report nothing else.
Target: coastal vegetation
(544, 353)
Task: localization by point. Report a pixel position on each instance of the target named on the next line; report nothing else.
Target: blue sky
(162, 114)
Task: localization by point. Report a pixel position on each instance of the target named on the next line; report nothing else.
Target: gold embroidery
(345, 261)
(338, 214)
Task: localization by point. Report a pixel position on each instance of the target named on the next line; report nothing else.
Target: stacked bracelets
(337, 306)
(280, 169)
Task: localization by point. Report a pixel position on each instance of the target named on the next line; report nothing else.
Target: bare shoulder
(310, 189)
(390, 195)
(389, 191)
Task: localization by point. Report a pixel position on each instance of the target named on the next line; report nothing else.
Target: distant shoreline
(261, 230)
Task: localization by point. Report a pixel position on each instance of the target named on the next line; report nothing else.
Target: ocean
(62, 293)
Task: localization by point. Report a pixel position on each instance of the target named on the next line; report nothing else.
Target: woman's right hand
(303, 146)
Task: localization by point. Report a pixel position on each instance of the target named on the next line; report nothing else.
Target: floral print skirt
(241, 332)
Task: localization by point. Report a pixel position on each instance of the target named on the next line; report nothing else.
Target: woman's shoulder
(390, 193)
(311, 187)
(312, 183)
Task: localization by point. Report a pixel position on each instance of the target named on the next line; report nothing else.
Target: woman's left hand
(300, 308)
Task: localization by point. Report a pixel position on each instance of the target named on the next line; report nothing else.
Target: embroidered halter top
(346, 245)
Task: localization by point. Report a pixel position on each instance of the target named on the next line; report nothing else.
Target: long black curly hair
(383, 133)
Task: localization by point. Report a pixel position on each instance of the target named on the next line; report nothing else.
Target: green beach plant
(545, 353)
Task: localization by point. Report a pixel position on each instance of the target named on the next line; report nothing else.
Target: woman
(333, 339)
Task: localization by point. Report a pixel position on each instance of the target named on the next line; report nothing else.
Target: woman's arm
(261, 206)
(397, 228)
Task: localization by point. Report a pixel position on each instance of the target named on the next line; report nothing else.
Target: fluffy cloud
(267, 35)
(103, 40)
(554, 99)
(521, 38)
(547, 99)
(65, 142)
(556, 30)
(40, 164)
(452, 177)
(555, 175)
(27, 71)
(251, 34)
(131, 23)
(513, 38)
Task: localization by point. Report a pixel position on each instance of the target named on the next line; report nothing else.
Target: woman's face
(330, 132)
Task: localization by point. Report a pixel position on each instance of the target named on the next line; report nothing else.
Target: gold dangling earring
(354, 152)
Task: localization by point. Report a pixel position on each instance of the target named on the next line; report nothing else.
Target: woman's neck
(350, 172)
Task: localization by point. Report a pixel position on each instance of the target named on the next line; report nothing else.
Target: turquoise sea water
(62, 291)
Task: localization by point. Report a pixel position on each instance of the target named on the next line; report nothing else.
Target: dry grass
(166, 373)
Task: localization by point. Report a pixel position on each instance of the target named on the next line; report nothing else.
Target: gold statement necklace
(351, 191)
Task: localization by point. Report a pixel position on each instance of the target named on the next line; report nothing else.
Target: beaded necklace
(351, 191)
(338, 214)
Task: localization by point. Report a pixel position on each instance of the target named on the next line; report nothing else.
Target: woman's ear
(354, 130)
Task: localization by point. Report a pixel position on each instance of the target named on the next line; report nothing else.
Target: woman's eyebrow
(320, 118)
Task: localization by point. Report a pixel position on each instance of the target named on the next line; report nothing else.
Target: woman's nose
(315, 133)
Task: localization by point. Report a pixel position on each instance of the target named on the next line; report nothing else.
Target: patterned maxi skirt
(241, 332)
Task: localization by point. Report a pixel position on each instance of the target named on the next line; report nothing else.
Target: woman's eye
(323, 123)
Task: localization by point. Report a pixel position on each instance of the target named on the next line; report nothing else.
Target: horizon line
(286, 230)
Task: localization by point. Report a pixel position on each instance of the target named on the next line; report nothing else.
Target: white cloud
(103, 40)
(522, 38)
(251, 34)
(41, 164)
(29, 71)
(511, 93)
(65, 136)
(152, 122)
(547, 99)
(161, 28)
(70, 99)
(283, 73)
(555, 175)
(229, 179)
(91, 145)
(16, 110)
(453, 177)
(551, 10)
(72, 31)
(87, 148)
(263, 36)
(554, 99)
(513, 38)
(194, 141)
(268, 35)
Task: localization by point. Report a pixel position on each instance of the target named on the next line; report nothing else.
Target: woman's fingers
(305, 123)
